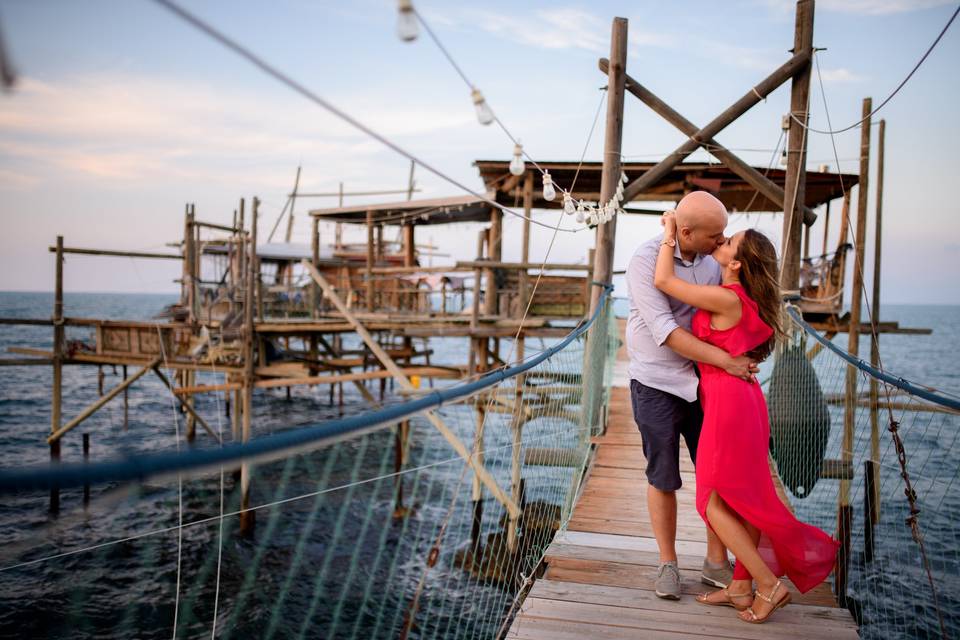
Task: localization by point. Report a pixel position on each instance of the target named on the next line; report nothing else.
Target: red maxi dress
(732, 457)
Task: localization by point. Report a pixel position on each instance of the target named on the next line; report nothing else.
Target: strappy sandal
(702, 599)
(782, 602)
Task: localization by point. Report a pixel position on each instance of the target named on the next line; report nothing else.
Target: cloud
(128, 128)
(864, 7)
(839, 76)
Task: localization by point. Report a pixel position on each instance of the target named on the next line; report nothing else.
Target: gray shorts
(662, 418)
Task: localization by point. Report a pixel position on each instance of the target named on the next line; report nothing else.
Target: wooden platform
(600, 571)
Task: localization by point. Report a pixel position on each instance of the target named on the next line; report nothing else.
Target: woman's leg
(742, 577)
(735, 536)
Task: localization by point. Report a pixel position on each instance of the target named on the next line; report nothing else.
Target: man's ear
(684, 231)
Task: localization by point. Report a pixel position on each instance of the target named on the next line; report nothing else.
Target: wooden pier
(600, 571)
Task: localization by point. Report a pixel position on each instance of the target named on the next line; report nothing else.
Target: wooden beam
(119, 254)
(656, 173)
(875, 320)
(613, 140)
(795, 182)
(751, 176)
(405, 383)
(186, 405)
(102, 400)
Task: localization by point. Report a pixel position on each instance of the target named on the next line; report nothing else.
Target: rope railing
(353, 515)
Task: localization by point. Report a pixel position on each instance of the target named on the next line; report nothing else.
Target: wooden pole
(610, 176)
(56, 392)
(515, 459)
(370, 243)
(126, 402)
(826, 229)
(314, 292)
(477, 281)
(293, 202)
(405, 383)
(476, 494)
(795, 181)
(875, 339)
(606, 233)
(525, 240)
(844, 512)
(86, 459)
(751, 176)
(494, 252)
(248, 518)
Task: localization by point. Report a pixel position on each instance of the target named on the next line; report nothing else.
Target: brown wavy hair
(759, 277)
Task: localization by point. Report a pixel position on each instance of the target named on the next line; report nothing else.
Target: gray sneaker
(716, 574)
(668, 581)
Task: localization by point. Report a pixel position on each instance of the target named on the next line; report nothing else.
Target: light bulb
(484, 112)
(580, 216)
(407, 27)
(568, 207)
(516, 165)
(549, 193)
(783, 157)
(623, 178)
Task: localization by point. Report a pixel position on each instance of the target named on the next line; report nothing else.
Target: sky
(122, 114)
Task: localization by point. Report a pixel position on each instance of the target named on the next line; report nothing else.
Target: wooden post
(186, 280)
(409, 246)
(875, 338)
(606, 233)
(248, 518)
(370, 242)
(242, 249)
(494, 252)
(826, 229)
(853, 347)
(525, 240)
(869, 508)
(293, 202)
(86, 458)
(795, 181)
(56, 392)
(126, 402)
(314, 293)
(515, 459)
(189, 378)
(476, 494)
(610, 176)
(477, 280)
(315, 252)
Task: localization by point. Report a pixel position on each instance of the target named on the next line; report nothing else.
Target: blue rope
(44, 477)
(899, 383)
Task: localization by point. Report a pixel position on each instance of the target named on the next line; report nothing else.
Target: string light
(407, 27)
(484, 112)
(517, 166)
(568, 207)
(580, 215)
(549, 192)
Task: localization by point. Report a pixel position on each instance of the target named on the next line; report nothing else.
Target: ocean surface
(110, 592)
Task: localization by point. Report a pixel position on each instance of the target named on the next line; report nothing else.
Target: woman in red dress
(735, 491)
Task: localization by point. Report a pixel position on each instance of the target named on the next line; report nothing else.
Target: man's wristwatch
(670, 242)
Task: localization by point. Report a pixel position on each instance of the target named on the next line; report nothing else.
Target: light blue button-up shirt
(654, 316)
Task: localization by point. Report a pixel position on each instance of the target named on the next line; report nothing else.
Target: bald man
(664, 380)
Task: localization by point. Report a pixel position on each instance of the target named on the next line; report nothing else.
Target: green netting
(336, 551)
(828, 443)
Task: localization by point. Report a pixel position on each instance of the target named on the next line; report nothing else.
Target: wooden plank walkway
(600, 571)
